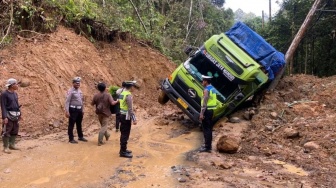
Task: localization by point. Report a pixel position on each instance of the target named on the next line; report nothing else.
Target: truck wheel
(163, 98)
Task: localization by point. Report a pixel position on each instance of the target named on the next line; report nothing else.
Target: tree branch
(190, 11)
(136, 10)
(10, 23)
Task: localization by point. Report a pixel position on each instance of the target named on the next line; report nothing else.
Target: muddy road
(51, 161)
(164, 148)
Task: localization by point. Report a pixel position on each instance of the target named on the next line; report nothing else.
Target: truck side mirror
(188, 50)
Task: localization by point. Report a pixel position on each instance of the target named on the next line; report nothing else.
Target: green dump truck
(240, 61)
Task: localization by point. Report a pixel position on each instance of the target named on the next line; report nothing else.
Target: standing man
(208, 104)
(74, 110)
(103, 100)
(126, 117)
(10, 115)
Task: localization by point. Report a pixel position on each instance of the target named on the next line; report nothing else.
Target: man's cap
(11, 81)
(76, 79)
(206, 77)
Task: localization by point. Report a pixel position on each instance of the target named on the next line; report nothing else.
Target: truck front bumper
(177, 99)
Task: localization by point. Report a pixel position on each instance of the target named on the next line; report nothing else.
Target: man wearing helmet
(126, 117)
(74, 110)
(208, 103)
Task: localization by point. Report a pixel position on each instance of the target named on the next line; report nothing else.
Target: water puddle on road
(156, 153)
(290, 168)
(41, 181)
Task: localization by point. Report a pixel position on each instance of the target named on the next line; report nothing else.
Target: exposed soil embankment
(49, 62)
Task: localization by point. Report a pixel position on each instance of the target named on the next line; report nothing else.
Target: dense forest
(170, 25)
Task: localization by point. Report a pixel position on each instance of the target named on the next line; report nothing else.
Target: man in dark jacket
(102, 101)
(10, 115)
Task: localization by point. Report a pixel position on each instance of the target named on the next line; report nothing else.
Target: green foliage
(28, 8)
(74, 10)
(112, 90)
(166, 24)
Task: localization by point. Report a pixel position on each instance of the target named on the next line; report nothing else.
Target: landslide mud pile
(296, 124)
(46, 64)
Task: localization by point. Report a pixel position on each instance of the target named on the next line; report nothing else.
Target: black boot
(204, 149)
(125, 154)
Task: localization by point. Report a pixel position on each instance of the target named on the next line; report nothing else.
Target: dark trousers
(207, 128)
(125, 130)
(12, 128)
(118, 121)
(76, 116)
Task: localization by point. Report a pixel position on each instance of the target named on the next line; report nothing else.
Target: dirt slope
(289, 142)
(50, 62)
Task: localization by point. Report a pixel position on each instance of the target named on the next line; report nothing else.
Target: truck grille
(182, 89)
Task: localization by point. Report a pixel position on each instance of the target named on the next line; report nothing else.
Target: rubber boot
(107, 136)
(5, 140)
(100, 139)
(12, 143)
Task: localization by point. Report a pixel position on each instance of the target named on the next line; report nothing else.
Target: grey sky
(255, 6)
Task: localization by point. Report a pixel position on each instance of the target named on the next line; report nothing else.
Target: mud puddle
(52, 162)
(289, 168)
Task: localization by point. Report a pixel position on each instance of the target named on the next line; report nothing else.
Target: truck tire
(163, 98)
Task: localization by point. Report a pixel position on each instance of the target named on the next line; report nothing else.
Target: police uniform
(208, 104)
(126, 117)
(74, 107)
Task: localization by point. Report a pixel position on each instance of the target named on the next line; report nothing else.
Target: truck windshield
(200, 65)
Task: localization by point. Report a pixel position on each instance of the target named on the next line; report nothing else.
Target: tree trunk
(188, 29)
(136, 10)
(270, 11)
(163, 7)
(296, 41)
(149, 9)
(306, 59)
(262, 19)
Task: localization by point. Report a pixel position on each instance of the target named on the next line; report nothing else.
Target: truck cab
(236, 77)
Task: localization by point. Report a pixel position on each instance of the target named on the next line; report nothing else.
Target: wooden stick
(10, 23)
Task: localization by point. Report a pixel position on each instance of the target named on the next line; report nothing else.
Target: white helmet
(76, 79)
